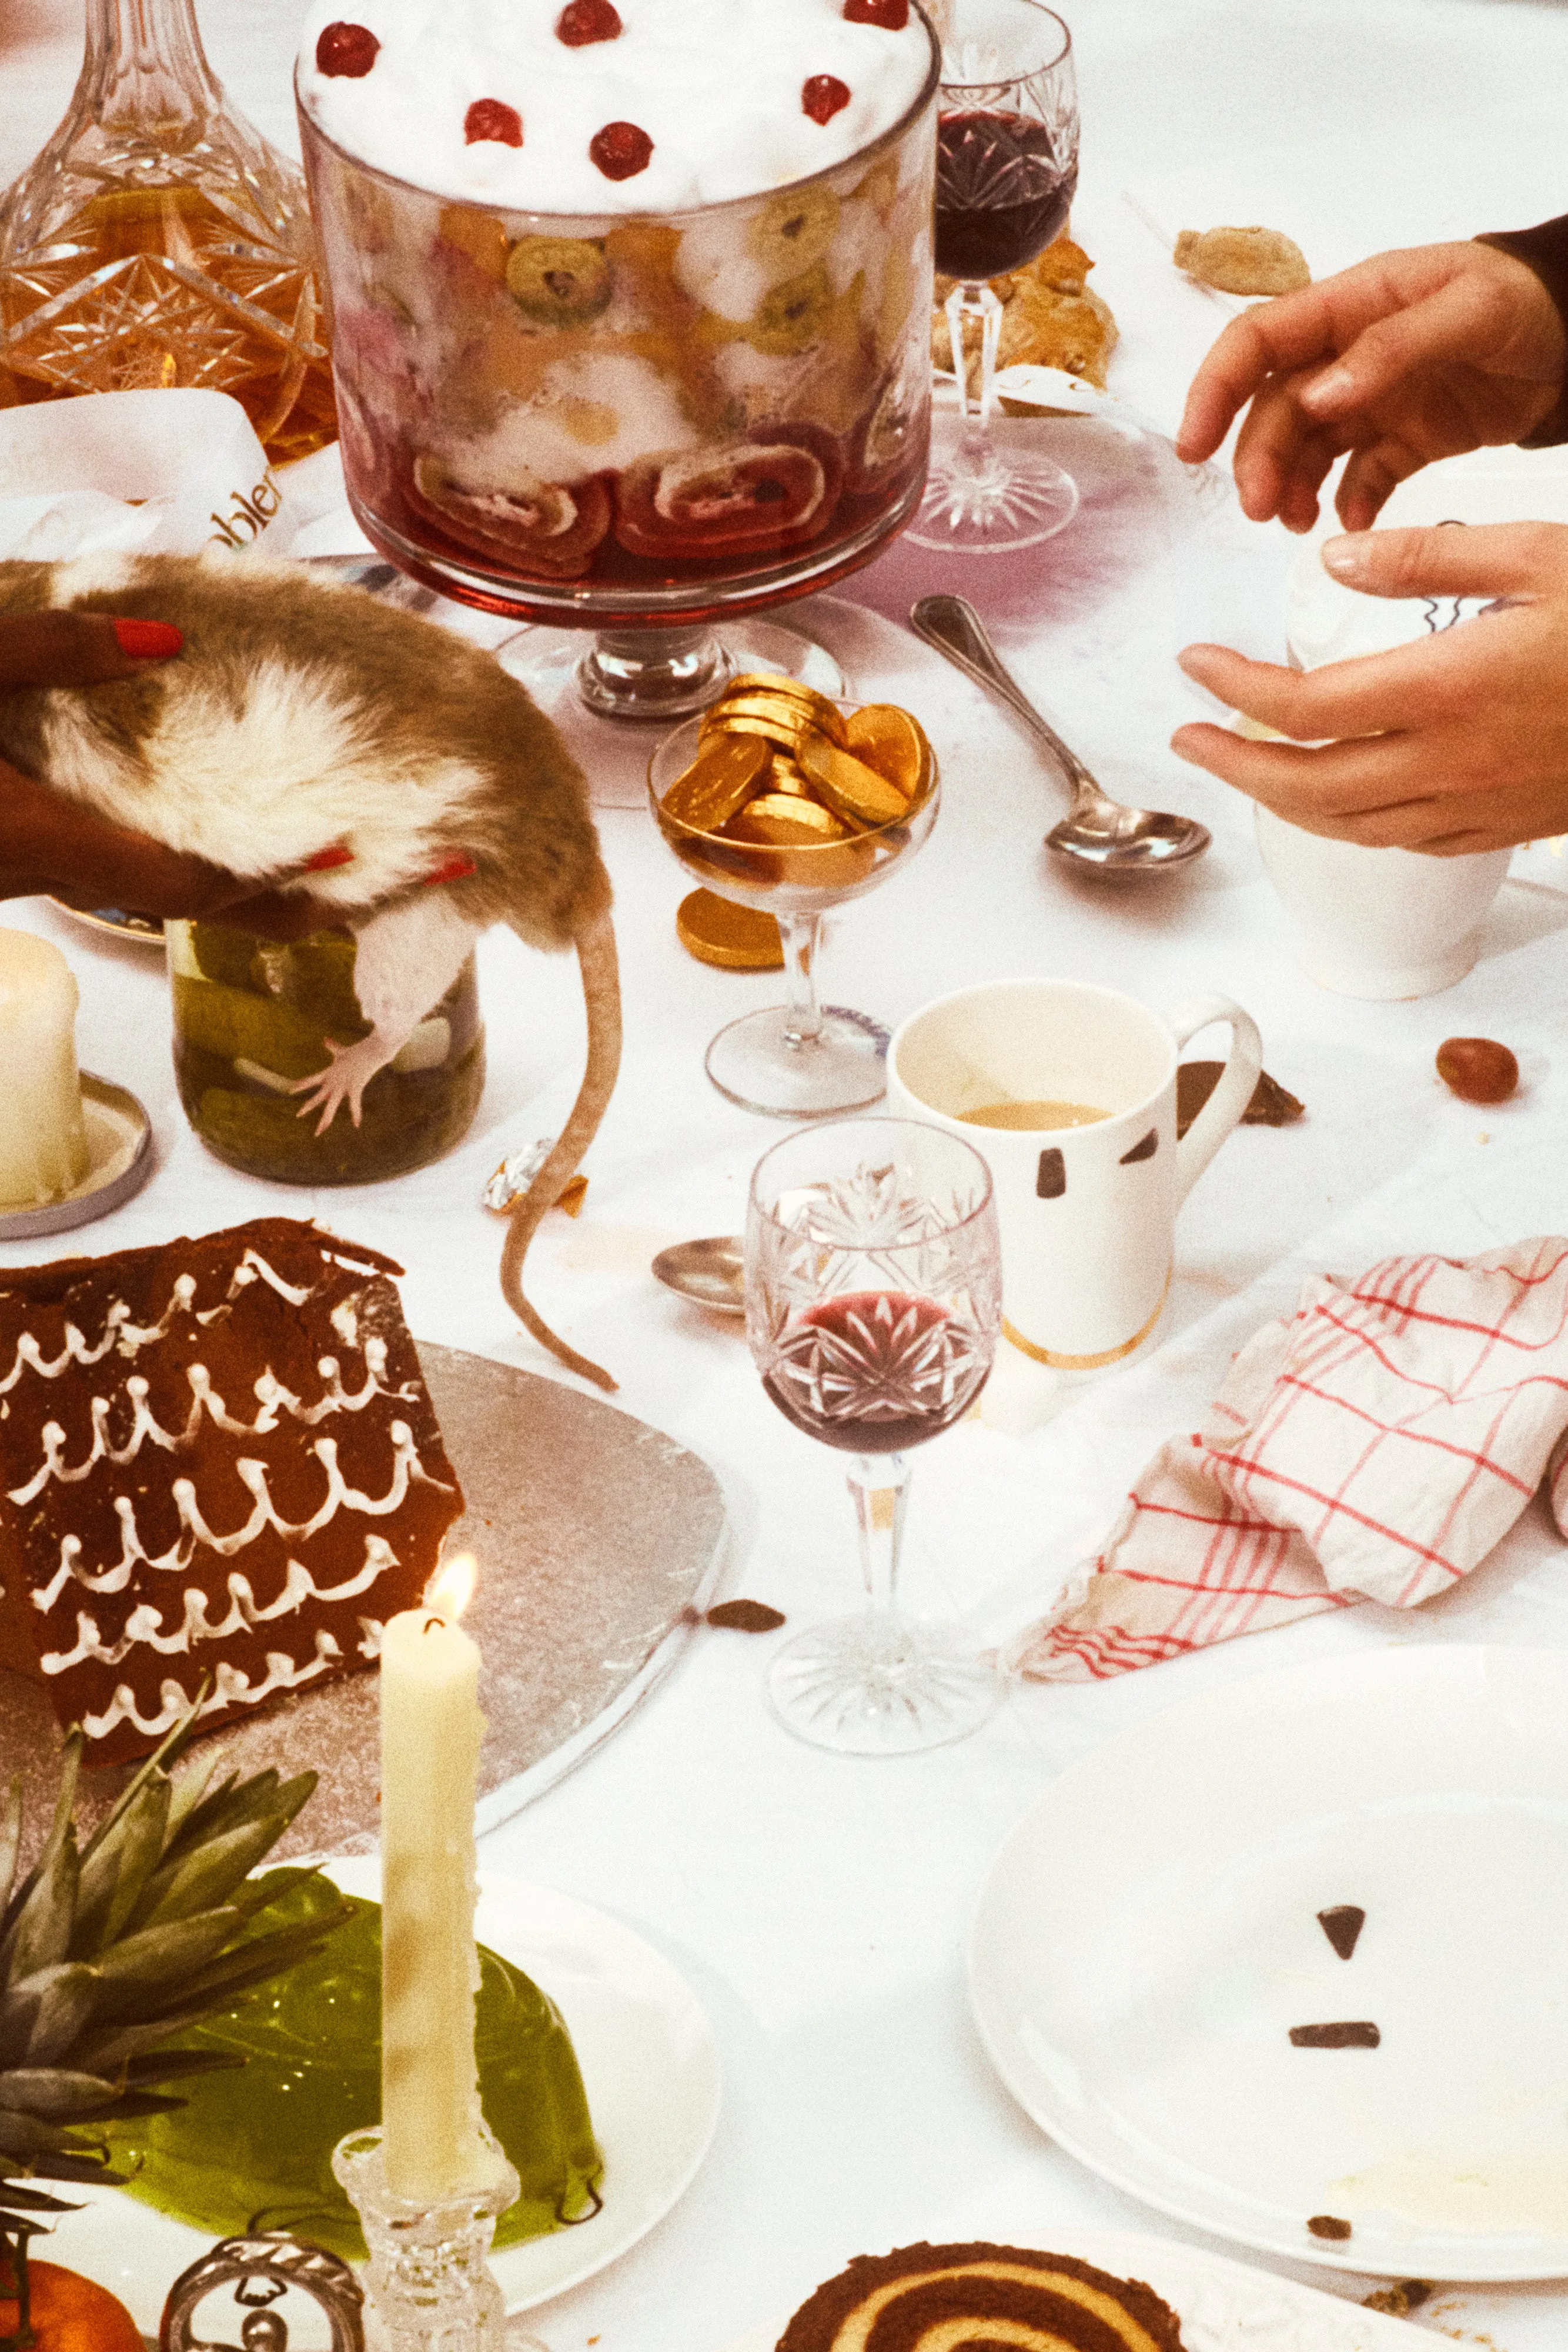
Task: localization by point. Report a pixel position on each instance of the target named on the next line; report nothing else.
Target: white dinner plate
(1147, 1937)
(649, 2063)
(1223, 2306)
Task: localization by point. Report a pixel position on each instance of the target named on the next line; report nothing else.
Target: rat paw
(343, 1081)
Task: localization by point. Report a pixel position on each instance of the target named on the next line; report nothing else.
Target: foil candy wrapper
(517, 1172)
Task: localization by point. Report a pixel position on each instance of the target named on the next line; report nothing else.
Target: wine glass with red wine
(1007, 166)
(874, 1303)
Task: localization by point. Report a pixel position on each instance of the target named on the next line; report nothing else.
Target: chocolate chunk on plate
(1329, 2225)
(746, 1617)
(1351, 2033)
(1271, 1105)
(1342, 1923)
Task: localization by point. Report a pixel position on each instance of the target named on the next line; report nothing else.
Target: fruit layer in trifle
(578, 357)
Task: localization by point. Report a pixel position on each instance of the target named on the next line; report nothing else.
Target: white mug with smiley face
(1076, 1088)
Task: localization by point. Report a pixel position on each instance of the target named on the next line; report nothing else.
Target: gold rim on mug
(1089, 1363)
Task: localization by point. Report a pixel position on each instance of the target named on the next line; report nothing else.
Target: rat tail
(602, 995)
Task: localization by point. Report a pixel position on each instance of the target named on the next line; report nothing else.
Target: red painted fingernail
(456, 868)
(324, 858)
(149, 640)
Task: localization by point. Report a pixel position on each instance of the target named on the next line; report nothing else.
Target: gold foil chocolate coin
(739, 939)
(778, 820)
(888, 739)
(853, 790)
(726, 771)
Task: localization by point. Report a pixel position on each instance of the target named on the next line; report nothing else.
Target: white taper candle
(431, 1727)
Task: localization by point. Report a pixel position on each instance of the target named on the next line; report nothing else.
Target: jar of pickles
(251, 1017)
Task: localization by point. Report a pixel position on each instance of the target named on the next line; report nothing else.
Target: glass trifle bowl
(643, 378)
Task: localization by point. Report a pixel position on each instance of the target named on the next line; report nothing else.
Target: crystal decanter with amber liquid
(158, 240)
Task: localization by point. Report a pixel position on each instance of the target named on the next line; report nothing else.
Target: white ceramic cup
(1381, 923)
(1086, 1213)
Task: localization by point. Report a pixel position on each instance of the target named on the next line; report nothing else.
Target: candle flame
(450, 1588)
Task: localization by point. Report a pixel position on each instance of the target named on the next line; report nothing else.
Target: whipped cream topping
(721, 88)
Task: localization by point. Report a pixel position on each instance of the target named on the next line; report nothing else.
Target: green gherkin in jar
(251, 1017)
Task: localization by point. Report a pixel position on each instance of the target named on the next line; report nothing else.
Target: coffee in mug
(1069, 1091)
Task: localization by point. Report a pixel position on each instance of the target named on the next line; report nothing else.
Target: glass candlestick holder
(430, 2286)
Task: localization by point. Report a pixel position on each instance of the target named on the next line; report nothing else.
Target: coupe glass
(636, 424)
(1007, 166)
(874, 1301)
(800, 1059)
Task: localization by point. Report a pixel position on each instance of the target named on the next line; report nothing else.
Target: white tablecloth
(817, 1904)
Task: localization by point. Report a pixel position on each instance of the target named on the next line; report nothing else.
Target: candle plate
(599, 1541)
(119, 1162)
(648, 2059)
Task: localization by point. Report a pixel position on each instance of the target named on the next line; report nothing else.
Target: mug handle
(1231, 1095)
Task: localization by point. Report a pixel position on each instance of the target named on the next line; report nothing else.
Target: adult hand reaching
(1450, 744)
(50, 845)
(1410, 356)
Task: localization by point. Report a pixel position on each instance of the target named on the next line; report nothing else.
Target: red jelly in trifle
(631, 298)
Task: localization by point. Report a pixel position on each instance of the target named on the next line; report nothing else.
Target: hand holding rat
(1410, 356)
(1451, 744)
(50, 845)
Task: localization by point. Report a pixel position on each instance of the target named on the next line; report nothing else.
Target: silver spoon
(1097, 831)
(711, 1272)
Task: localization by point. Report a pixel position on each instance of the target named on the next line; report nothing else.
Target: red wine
(876, 1370)
(1001, 194)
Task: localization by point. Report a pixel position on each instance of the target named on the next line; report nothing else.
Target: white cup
(1086, 1211)
(1381, 923)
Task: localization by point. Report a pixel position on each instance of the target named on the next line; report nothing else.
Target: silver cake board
(599, 1542)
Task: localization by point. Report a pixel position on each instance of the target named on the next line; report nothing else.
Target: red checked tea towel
(1373, 1445)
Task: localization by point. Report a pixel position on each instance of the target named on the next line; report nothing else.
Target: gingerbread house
(219, 1470)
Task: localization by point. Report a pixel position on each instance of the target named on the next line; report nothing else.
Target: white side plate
(1147, 1937)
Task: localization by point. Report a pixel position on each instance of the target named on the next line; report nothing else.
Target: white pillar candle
(43, 1137)
(431, 1727)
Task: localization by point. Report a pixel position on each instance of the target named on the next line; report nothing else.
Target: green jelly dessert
(251, 2147)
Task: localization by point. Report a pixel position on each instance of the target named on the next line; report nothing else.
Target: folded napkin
(143, 472)
(1373, 1445)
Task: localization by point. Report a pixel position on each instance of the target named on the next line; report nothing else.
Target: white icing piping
(407, 1470)
(231, 1688)
(269, 1392)
(126, 1336)
(144, 1623)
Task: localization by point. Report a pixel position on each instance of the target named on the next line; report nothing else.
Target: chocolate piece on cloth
(219, 1464)
(1373, 1445)
(978, 2294)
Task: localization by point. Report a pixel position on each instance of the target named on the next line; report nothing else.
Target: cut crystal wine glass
(873, 1308)
(1007, 167)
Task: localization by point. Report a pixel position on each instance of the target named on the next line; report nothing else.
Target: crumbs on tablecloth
(746, 1617)
(1399, 2300)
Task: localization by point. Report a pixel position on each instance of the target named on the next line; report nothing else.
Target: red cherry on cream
(891, 14)
(492, 118)
(347, 50)
(582, 21)
(823, 97)
(621, 151)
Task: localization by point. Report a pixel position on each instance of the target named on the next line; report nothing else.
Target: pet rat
(304, 717)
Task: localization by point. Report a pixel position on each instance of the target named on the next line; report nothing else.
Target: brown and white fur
(302, 716)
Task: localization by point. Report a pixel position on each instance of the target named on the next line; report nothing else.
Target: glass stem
(803, 1013)
(878, 1487)
(975, 301)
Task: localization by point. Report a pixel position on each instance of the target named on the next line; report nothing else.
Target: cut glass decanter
(158, 240)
